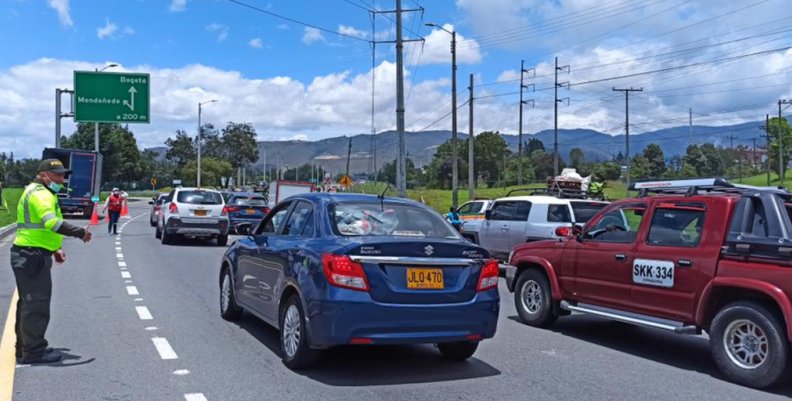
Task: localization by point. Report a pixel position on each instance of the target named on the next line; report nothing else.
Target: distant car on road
(156, 204)
(473, 210)
(334, 269)
(245, 208)
(193, 212)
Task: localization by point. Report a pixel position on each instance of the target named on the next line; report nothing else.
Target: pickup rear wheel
(532, 299)
(749, 344)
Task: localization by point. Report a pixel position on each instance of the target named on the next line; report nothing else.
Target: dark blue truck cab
(82, 183)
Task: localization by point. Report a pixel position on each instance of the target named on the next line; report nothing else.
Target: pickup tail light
(172, 208)
(488, 279)
(342, 271)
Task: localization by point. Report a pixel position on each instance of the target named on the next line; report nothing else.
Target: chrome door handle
(620, 257)
(685, 263)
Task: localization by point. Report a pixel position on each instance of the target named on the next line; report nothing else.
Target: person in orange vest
(114, 203)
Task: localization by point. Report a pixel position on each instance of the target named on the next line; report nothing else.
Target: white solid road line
(143, 313)
(126, 275)
(195, 397)
(164, 348)
(132, 290)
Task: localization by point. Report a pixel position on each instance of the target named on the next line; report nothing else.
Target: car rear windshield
(388, 218)
(199, 198)
(584, 211)
(249, 201)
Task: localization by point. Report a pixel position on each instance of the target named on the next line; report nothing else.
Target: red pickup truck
(685, 256)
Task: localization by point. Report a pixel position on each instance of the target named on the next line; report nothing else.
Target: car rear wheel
(295, 348)
(458, 351)
(228, 306)
(153, 222)
(532, 299)
(222, 240)
(157, 233)
(166, 238)
(749, 344)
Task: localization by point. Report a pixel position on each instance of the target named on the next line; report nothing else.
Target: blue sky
(294, 82)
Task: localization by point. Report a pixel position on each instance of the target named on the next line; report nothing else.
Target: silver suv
(193, 212)
(519, 219)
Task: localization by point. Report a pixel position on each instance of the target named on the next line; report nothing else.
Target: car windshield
(199, 198)
(249, 201)
(388, 218)
(584, 211)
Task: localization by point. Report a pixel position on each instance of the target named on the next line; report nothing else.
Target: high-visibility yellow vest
(38, 218)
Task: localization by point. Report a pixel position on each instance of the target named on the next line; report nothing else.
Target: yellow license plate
(424, 279)
(250, 211)
(200, 212)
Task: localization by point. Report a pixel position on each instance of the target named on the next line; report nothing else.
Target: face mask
(55, 187)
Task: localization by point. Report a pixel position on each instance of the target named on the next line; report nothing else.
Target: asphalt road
(151, 330)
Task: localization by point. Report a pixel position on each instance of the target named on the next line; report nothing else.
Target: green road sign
(111, 97)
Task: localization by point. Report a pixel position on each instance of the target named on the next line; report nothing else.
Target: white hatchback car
(193, 212)
(518, 219)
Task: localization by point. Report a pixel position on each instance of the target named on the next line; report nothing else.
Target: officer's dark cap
(53, 165)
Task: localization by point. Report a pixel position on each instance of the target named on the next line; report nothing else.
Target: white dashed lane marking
(143, 313)
(126, 275)
(132, 290)
(195, 397)
(163, 348)
(122, 263)
(120, 255)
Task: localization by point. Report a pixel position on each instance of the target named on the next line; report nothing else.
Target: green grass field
(9, 205)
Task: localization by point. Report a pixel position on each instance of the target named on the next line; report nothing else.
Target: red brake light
(489, 275)
(342, 272)
(229, 209)
(172, 208)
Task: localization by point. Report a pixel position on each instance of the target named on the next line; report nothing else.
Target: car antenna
(381, 197)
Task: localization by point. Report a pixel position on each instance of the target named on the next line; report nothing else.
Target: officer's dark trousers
(113, 224)
(34, 283)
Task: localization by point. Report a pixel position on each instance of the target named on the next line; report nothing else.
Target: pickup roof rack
(703, 186)
(557, 192)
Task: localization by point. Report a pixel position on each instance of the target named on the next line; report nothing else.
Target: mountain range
(331, 153)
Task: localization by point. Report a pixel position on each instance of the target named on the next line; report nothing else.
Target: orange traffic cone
(107, 217)
(94, 216)
(124, 211)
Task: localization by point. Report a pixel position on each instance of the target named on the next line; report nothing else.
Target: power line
(270, 13)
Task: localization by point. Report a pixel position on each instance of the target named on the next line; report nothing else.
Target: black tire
(759, 323)
(532, 298)
(458, 351)
(222, 240)
(302, 357)
(166, 238)
(157, 233)
(152, 222)
(229, 310)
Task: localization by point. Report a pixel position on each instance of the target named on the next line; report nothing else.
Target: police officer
(40, 231)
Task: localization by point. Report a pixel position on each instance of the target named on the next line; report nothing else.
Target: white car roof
(536, 199)
(196, 189)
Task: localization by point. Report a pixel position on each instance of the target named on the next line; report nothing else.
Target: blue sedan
(332, 269)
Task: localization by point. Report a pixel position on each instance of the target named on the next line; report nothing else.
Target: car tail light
(361, 341)
(229, 209)
(563, 231)
(475, 337)
(342, 272)
(489, 275)
(173, 209)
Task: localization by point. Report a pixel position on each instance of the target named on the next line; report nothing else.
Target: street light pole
(96, 125)
(198, 161)
(454, 146)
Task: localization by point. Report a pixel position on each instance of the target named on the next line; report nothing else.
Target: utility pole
(766, 128)
(471, 152)
(731, 141)
(349, 155)
(753, 155)
(779, 136)
(690, 125)
(520, 131)
(555, 114)
(627, 127)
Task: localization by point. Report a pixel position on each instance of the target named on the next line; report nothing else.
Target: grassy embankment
(9, 205)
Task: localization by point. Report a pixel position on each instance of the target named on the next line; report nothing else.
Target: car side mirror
(487, 214)
(244, 229)
(563, 231)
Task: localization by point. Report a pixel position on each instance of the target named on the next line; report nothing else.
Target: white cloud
(107, 31)
(437, 48)
(219, 29)
(256, 43)
(312, 35)
(178, 5)
(62, 7)
(351, 31)
(129, 30)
